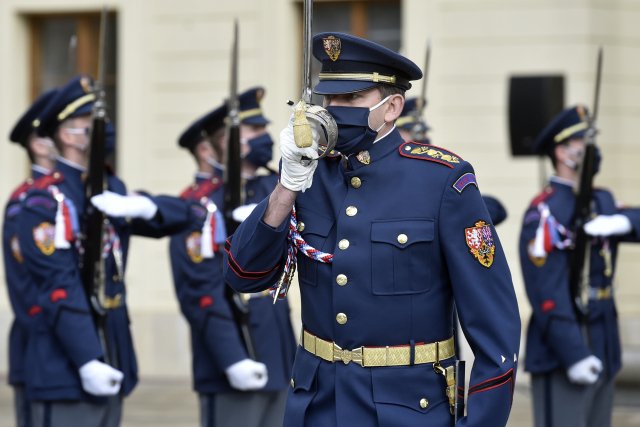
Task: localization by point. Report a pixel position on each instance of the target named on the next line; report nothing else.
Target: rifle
(579, 267)
(91, 263)
(234, 192)
(419, 129)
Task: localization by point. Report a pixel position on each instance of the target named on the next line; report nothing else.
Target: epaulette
(544, 195)
(22, 188)
(418, 150)
(200, 190)
(46, 181)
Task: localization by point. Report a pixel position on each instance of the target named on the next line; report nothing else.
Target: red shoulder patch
(22, 188)
(200, 190)
(544, 195)
(432, 153)
(45, 181)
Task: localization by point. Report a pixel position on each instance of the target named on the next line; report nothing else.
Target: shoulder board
(46, 181)
(418, 150)
(544, 195)
(200, 190)
(22, 188)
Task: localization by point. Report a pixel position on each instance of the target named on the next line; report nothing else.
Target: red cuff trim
(548, 305)
(58, 294)
(206, 301)
(492, 383)
(240, 272)
(34, 310)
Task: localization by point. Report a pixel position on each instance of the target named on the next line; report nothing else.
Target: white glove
(608, 225)
(100, 379)
(117, 205)
(247, 374)
(585, 371)
(296, 174)
(241, 213)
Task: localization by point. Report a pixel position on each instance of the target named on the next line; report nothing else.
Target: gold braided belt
(399, 355)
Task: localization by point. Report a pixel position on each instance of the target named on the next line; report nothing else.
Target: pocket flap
(314, 223)
(403, 233)
(418, 387)
(305, 368)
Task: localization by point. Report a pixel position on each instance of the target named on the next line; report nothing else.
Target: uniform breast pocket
(315, 230)
(401, 253)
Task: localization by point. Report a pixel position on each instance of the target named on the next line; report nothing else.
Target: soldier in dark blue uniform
(573, 364)
(233, 389)
(41, 153)
(409, 125)
(67, 381)
(387, 237)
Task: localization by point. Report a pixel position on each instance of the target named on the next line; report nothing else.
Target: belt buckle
(347, 356)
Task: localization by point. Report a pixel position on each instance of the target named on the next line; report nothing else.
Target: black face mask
(261, 150)
(354, 133)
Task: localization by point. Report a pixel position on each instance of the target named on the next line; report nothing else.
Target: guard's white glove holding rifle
(297, 173)
(132, 205)
(608, 225)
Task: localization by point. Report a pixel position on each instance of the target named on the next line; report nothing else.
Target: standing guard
(573, 357)
(21, 291)
(233, 389)
(387, 235)
(68, 381)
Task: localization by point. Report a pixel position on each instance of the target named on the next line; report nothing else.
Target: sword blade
(306, 50)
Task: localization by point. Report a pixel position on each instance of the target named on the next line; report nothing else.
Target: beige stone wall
(174, 66)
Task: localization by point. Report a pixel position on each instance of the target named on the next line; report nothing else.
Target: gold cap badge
(332, 46)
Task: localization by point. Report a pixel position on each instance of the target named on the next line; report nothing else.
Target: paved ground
(170, 403)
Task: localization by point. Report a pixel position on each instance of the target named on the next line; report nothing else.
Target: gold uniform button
(356, 182)
(351, 211)
(293, 383)
(343, 244)
(424, 403)
(341, 279)
(300, 227)
(341, 318)
(402, 238)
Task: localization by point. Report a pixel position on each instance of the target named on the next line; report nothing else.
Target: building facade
(169, 62)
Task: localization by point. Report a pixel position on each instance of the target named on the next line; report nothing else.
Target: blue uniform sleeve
(256, 253)
(200, 290)
(485, 300)
(547, 284)
(173, 216)
(18, 283)
(634, 216)
(54, 271)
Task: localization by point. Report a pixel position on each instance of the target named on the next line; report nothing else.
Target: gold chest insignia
(480, 242)
(194, 247)
(44, 237)
(364, 157)
(332, 46)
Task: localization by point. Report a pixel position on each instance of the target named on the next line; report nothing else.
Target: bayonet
(71, 55)
(580, 266)
(419, 129)
(234, 192)
(92, 263)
